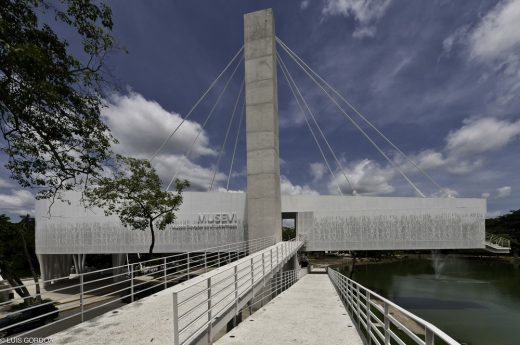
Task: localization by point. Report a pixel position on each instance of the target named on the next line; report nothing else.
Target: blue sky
(440, 78)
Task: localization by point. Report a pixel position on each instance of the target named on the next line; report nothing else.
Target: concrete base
(310, 312)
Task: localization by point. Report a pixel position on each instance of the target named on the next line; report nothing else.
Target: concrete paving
(310, 312)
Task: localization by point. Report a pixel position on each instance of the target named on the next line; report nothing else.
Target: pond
(474, 300)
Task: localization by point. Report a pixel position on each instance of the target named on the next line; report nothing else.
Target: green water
(476, 301)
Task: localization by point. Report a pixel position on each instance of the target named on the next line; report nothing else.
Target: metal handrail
(167, 271)
(199, 302)
(498, 241)
(372, 313)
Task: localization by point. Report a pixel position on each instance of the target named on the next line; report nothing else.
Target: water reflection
(475, 300)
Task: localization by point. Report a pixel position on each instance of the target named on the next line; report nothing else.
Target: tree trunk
(150, 251)
(16, 283)
(353, 265)
(38, 297)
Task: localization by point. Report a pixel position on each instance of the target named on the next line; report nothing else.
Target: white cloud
(445, 193)
(504, 192)
(304, 4)
(4, 183)
(287, 188)
(141, 125)
(367, 178)
(365, 12)
(18, 202)
(481, 135)
(317, 170)
(485, 195)
(498, 32)
(200, 178)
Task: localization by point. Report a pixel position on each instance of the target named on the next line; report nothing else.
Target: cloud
(462, 153)
(366, 176)
(304, 4)
(4, 183)
(485, 195)
(445, 193)
(503, 192)
(317, 170)
(17, 202)
(481, 135)
(365, 12)
(287, 188)
(498, 31)
(141, 125)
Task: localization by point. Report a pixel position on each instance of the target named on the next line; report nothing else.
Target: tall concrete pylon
(263, 164)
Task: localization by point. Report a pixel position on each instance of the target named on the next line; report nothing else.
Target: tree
(134, 194)
(50, 100)
(17, 247)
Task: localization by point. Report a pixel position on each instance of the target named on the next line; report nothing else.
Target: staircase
(497, 244)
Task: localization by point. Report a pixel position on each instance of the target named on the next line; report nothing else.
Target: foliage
(507, 225)
(288, 233)
(50, 100)
(134, 194)
(17, 255)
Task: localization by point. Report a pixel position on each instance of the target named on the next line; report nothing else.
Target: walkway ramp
(309, 312)
(497, 244)
(151, 319)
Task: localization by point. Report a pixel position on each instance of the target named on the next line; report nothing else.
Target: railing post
(358, 308)
(175, 319)
(164, 275)
(132, 283)
(387, 325)
(271, 257)
(369, 319)
(210, 317)
(188, 265)
(430, 337)
(252, 275)
(263, 265)
(81, 289)
(205, 261)
(218, 259)
(236, 293)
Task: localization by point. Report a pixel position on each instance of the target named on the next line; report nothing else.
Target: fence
(96, 291)
(203, 305)
(382, 321)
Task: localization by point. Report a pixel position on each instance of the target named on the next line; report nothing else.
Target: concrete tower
(263, 164)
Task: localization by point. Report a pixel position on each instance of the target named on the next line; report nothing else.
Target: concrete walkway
(310, 312)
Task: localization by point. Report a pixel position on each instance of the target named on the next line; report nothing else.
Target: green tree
(17, 256)
(50, 100)
(134, 194)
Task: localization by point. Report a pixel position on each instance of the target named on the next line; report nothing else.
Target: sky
(440, 79)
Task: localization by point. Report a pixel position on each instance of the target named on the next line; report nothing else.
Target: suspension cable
(236, 142)
(285, 73)
(364, 118)
(163, 144)
(317, 125)
(417, 190)
(226, 136)
(206, 120)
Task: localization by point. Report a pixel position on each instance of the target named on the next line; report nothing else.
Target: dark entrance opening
(289, 221)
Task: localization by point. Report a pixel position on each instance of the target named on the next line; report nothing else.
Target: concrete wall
(328, 223)
(263, 166)
(388, 223)
(72, 229)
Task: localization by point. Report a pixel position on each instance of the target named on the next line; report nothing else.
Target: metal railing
(91, 291)
(381, 321)
(198, 305)
(498, 241)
